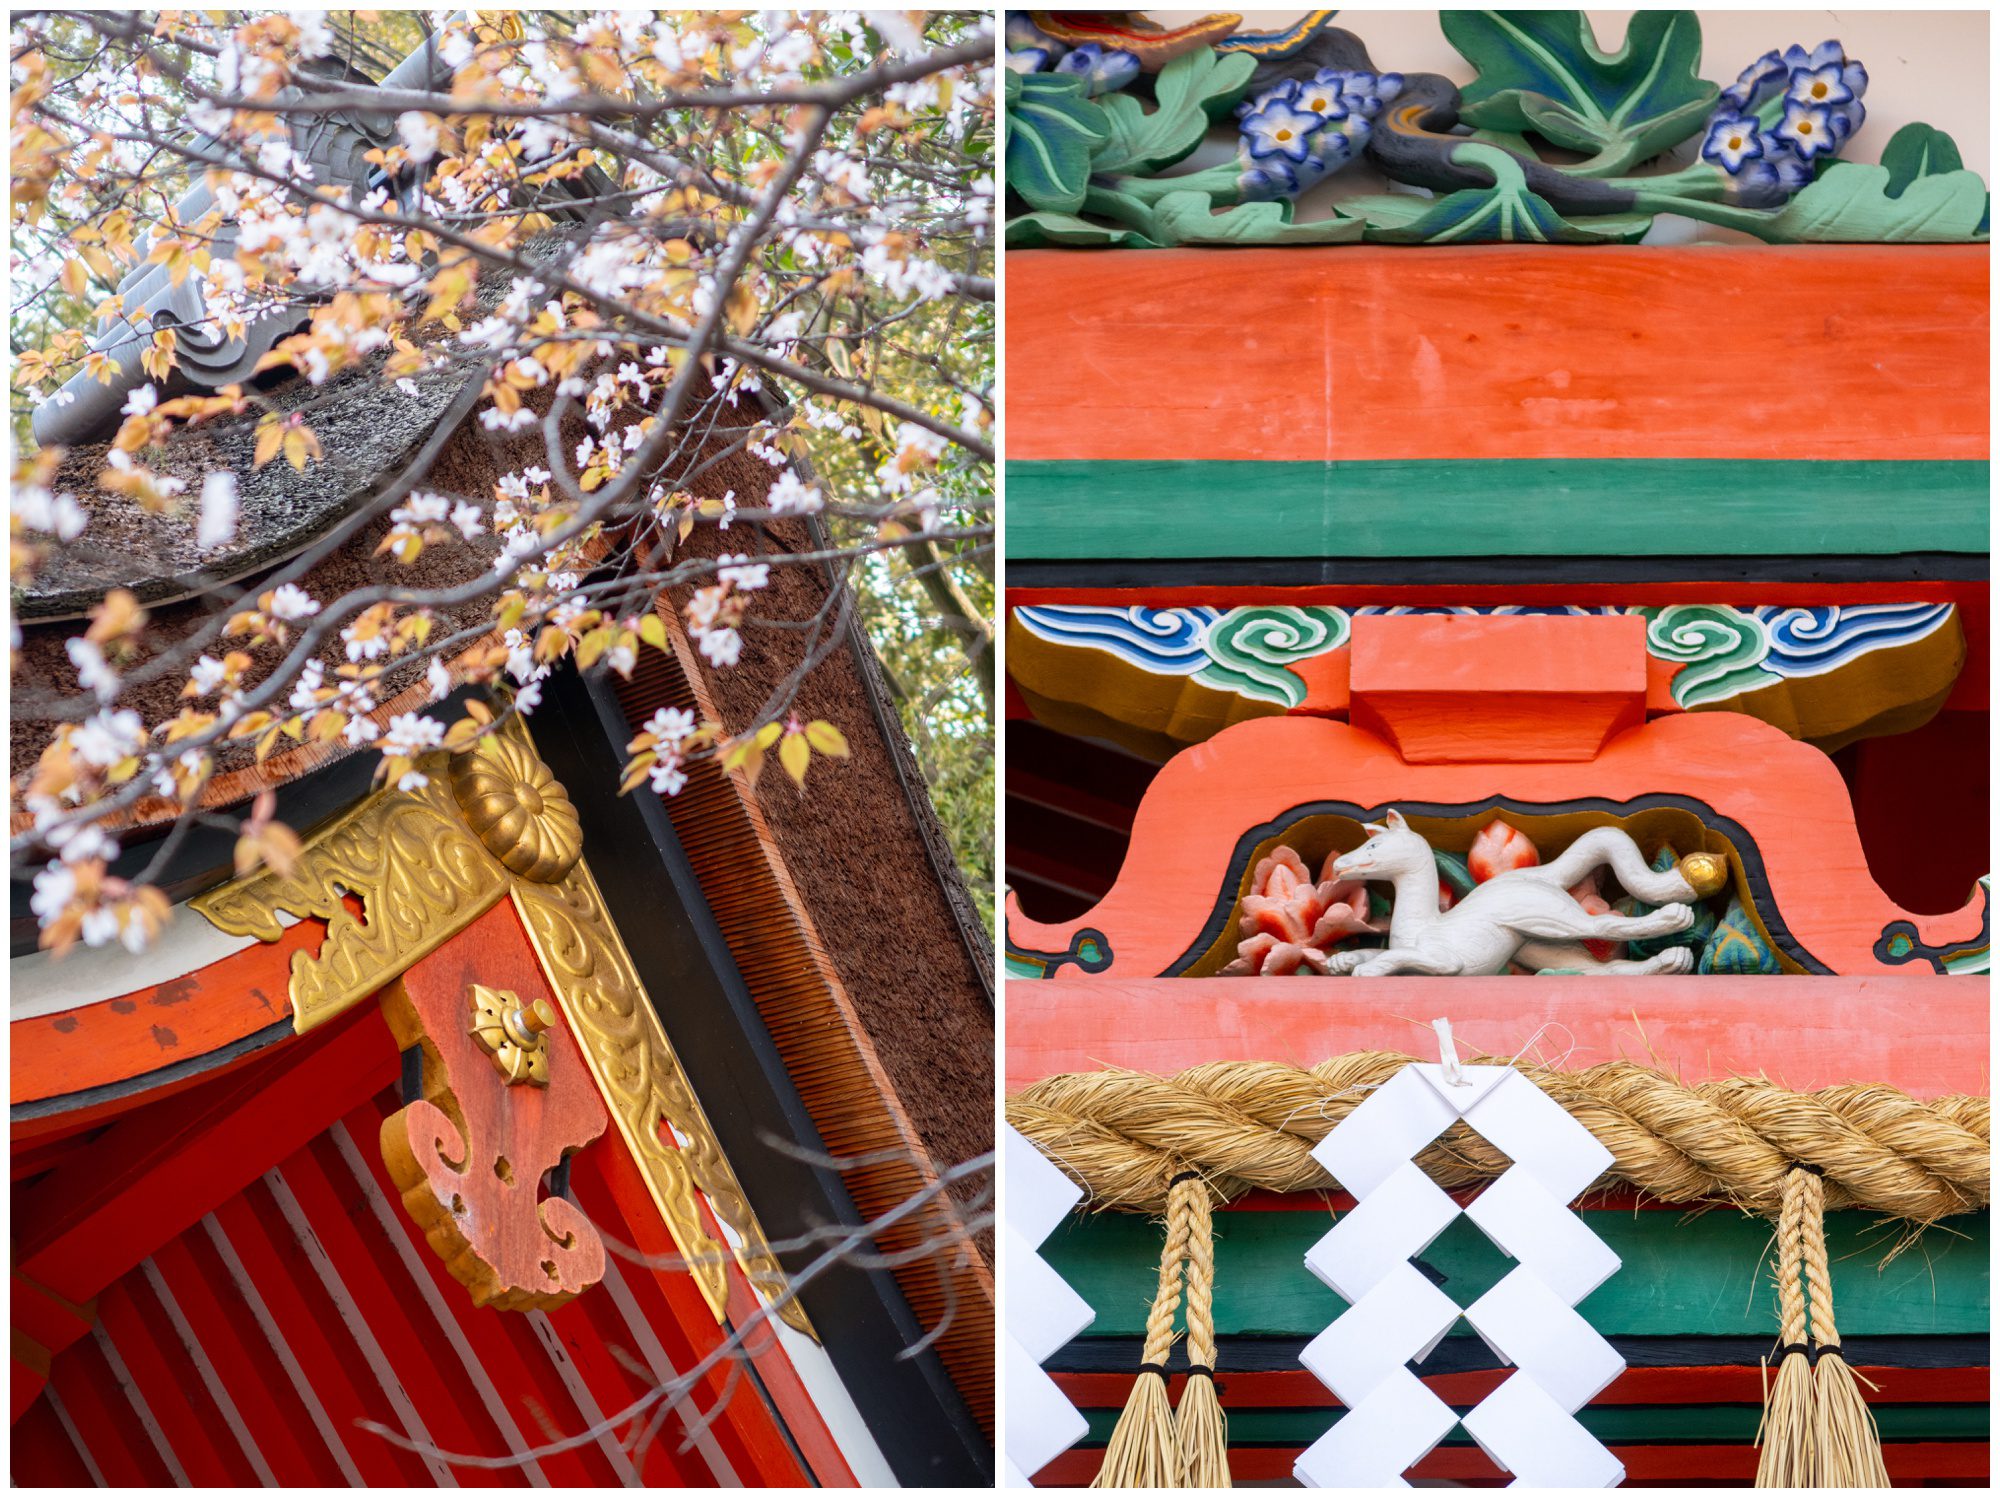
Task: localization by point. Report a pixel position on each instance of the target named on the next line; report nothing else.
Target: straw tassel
(1785, 1436)
(1143, 1451)
(1203, 1432)
(1847, 1445)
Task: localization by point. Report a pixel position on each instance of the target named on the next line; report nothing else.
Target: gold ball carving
(1707, 872)
(517, 808)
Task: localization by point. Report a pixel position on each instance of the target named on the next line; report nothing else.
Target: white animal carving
(1523, 915)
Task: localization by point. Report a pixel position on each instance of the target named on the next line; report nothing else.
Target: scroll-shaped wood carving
(470, 1155)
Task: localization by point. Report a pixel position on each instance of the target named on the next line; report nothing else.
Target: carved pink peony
(1290, 922)
(1499, 848)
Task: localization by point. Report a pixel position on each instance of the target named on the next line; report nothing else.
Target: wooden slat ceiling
(275, 1340)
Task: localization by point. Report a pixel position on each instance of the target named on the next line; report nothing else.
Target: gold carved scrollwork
(640, 1076)
(424, 864)
(420, 876)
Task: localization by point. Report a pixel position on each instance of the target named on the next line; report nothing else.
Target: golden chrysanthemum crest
(517, 808)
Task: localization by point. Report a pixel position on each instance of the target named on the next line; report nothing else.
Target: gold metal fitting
(1707, 872)
(511, 1033)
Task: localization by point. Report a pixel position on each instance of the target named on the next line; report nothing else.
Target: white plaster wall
(1928, 65)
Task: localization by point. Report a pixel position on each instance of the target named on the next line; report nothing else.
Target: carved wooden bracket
(469, 1156)
(494, 824)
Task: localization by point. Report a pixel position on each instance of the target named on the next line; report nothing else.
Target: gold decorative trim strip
(423, 874)
(421, 878)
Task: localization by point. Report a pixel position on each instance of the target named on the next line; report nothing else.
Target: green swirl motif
(1722, 647)
(1249, 648)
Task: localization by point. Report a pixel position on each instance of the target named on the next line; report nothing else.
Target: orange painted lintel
(1498, 352)
(1923, 1034)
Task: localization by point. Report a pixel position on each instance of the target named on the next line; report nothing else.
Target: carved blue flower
(1821, 87)
(1280, 128)
(1797, 108)
(1732, 141)
(1322, 96)
(1807, 130)
(1756, 83)
(1331, 111)
(1793, 170)
(1267, 181)
(1029, 59)
(1103, 72)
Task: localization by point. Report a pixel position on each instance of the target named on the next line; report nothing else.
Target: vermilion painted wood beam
(1905, 1032)
(132, 1191)
(1908, 1462)
(1496, 352)
(96, 1045)
(1298, 1389)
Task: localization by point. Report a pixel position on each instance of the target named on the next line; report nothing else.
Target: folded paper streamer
(1043, 1313)
(1396, 1316)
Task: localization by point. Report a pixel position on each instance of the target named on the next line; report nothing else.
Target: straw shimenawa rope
(1153, 1445)
(1143, 1451)
(1846, 1443)
(1252, 1124)
(1198, 1420)
(1785, 1435)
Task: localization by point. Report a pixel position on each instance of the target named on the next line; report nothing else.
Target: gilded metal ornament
(511, 1033)
(517, 808)
(424, 864)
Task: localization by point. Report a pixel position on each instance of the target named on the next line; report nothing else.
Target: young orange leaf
(795, 754)
(827, 739)
(270, 437)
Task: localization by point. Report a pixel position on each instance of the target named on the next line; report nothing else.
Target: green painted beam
(1065, 511)
(1694, 1276)
(1613, 1424)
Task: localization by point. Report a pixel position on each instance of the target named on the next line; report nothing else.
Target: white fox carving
(1522, 915)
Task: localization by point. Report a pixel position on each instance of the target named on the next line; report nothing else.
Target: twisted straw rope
(1785, 1436)
(1123, 1135)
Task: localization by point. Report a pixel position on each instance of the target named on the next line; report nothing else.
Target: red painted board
(1360, 353)
(1298, 1389)
(1835, 1029)
(1909, 1462)
(135, 1188)
(171, 1022)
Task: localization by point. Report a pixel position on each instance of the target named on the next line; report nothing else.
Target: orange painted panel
(1787, 797)
(1699, 1028)
(142, 1031)
(1456, 688)
(1357, 353)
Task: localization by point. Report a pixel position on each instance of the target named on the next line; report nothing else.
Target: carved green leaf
(1918, 151)
(1850, 203)
(1543, 70)
(1505, 213)
(1194, 90)
(1033, 231)
(1188, 218)
(1051, 131)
